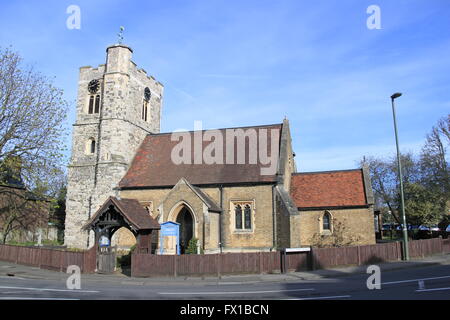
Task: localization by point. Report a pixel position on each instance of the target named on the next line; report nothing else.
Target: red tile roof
(152, 165)
(328, 189)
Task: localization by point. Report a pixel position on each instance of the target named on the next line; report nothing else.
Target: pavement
(11, 270)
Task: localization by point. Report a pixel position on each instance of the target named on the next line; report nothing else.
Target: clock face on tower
(147, 94)
(93, 86)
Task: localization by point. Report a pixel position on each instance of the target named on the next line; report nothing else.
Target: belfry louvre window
(94, 104)
(97, 104)
(147, 95)
(91, 105)
(243, 216)
(144, 110)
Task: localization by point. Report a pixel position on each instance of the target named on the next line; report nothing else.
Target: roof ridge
(328, 171)
(191, 131)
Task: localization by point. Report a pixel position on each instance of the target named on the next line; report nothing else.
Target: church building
(231, 189)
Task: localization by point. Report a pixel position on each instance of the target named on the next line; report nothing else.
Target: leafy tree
(426, 180)
(421, 205)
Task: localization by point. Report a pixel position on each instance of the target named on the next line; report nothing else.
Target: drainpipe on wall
(274, 218)
(203, 232)
(221, 219)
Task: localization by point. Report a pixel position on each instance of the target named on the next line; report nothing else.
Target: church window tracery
(243, 215)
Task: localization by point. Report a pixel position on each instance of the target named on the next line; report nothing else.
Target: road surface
(430, 282)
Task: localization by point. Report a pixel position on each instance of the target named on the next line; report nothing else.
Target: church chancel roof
(329, 189)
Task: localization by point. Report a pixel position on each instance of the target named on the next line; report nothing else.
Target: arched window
(238, 216)
(243, 211)
(326, 221)
(92, 146)
(94, 104)
(91, 105)
(97, 103)
(247, 217)
(144, 110)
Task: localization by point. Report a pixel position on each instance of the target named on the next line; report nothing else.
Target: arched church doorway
(186, 222)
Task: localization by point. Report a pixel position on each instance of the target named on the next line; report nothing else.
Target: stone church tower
(117, 106)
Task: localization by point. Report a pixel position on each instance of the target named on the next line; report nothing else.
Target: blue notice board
(169, 228)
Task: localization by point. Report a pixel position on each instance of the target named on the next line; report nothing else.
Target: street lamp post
(399, 164)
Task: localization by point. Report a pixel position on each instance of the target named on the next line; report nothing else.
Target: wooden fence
(371, 254)
(147, 265)
(52, 259)
(323, 258)
(446, 246)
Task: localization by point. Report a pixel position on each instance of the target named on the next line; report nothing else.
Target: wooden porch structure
(114, 214)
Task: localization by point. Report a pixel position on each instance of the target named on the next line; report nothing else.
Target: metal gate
(106, 259)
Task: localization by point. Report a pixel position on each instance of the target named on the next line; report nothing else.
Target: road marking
(414, 280)
(25, 298)
(434, 289)
(321, 298)
(13, 278)
(232, 292)
(45, 289)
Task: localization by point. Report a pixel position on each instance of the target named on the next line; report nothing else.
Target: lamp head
(396, 95)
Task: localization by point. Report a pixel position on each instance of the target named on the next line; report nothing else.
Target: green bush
(25, 243)
(124, 260)
(192, 247)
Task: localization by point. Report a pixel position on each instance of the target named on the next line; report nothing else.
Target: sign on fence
(104, 241)
(169, 239)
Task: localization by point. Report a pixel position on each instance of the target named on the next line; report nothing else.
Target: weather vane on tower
(120, 34)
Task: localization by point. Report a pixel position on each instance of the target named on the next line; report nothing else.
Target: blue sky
(239, 63)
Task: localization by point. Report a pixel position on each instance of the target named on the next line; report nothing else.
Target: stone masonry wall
(118, 130)
(358, 226)
(261, 236)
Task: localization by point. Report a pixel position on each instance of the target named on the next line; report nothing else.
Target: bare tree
(434, 158)
(21, 211)
(340, 237)
(435, 166)
(32, 120)
(32, 129)
(385, 180)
